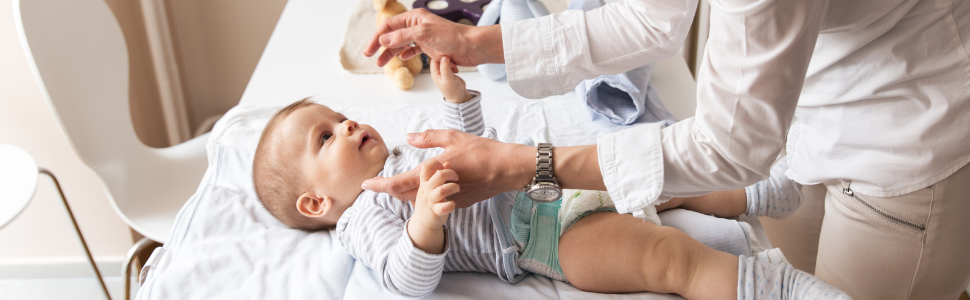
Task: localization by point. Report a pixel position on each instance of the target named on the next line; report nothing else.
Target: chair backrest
(78, 54)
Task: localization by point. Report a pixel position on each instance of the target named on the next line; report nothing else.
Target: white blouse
(884, 88)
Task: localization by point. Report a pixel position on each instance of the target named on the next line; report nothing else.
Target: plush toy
(505, 12)
(401, 72)
(457, 11)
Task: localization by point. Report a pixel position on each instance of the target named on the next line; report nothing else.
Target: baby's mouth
(364, 137)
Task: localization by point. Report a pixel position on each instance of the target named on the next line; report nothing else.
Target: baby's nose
(351, 125)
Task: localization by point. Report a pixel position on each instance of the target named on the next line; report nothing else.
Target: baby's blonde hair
(279, 181)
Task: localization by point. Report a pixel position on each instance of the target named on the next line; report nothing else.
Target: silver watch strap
(544, 164)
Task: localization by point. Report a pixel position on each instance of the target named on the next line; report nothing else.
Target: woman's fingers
(402, 186)
(387, 55)
(400, 38)
(393, 24)
(434, 68)
(410, 52)
(432, 138)
(486, 167)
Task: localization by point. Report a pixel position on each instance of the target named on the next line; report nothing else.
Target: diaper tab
(541, 253)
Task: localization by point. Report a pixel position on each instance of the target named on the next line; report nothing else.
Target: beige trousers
(913, 246)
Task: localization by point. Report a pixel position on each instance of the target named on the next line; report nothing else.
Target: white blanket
(225, 245)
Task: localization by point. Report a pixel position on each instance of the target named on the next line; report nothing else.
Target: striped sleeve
(378, 238)
(466, 117)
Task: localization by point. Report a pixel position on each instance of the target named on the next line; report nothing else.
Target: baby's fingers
(440, 193)
(443, 208)
(447, 68)
(428, 169)
(442, 176)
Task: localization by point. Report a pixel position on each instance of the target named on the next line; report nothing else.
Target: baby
(311, 161)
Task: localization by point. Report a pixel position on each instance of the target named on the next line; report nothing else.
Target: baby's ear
(313, 206)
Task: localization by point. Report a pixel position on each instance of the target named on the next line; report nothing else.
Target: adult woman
(882, 95)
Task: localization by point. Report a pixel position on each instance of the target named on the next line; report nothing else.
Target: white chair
(79, 57)
(18, 181)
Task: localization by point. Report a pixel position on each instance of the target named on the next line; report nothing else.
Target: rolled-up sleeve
(550, 55)
(747, 90)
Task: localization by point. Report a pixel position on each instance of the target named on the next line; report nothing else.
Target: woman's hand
(485, 167)
(436, 36)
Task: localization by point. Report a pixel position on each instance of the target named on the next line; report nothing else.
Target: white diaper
(580, 203)
(536, 227)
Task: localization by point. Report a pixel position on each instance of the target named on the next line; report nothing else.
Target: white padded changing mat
(225, 245)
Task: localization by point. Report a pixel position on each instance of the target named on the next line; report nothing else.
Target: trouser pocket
(879, 211)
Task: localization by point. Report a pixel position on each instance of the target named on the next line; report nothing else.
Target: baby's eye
(325, 136)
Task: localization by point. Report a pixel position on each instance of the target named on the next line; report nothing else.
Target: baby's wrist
(429, 221)
(464, 97)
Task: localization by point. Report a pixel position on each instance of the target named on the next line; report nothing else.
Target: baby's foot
(762, 280)
(777, 197)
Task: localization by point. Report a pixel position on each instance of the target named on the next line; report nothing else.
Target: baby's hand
(451, 86)
(431, 207)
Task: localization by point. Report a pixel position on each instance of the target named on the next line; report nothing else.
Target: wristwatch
(544, 187)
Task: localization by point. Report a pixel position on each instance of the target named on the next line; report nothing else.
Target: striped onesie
(374, 228)
(479, 238)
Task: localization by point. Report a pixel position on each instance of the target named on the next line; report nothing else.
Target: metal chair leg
(134, 253)
(84, 244)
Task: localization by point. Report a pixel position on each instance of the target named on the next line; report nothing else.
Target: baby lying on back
(311, 161)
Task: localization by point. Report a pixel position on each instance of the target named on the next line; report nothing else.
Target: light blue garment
(505, 12)
(777, 196)
(621, 99)
(624, 99)
(763, 280)
(537, 226)
(725, 235)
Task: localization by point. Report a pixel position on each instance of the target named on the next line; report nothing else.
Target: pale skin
(506, 167)
(333, 153)
(337, 154)
(431, 206)
(643, 256)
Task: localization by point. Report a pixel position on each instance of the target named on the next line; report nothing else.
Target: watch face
(545, 194)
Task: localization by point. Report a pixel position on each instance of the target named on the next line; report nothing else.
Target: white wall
(43, 233)
(219, 43)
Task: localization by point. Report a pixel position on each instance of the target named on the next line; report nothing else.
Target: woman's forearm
(577, 167)
(487, 40)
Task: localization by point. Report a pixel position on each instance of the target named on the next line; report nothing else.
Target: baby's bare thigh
(608, 252)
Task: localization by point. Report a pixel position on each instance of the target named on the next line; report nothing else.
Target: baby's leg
(612, 253)
(777, 197)
(722, 204)
(725, 235)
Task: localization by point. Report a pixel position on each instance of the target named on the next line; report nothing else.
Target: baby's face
(336, 154)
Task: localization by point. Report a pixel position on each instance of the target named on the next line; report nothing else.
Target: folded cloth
(624, 99)
(506, 12)
(621, 99)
